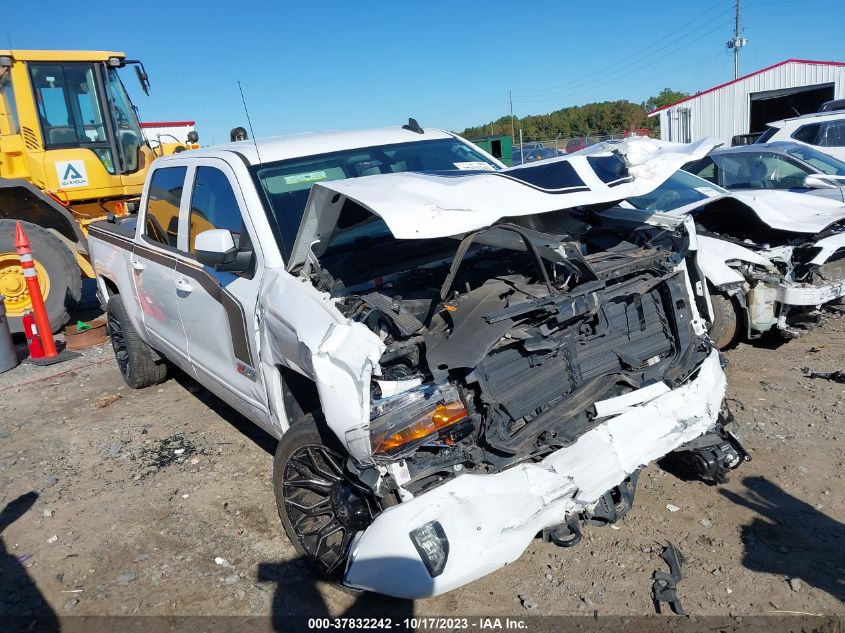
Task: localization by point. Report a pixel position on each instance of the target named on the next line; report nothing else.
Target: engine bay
(500, 341)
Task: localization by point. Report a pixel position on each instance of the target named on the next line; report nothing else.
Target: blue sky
(312, 66)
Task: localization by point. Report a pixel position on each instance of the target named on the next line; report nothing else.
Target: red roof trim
(756, 72)
(167, 123)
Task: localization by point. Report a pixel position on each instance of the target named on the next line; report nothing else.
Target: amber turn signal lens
(449, 413)
(443, 415)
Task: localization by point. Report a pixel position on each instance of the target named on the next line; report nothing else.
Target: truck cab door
(153, 262)
(218, 309)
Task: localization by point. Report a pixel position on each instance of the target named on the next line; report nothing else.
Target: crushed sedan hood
(781, 210)
(797, 212)
(442, 204)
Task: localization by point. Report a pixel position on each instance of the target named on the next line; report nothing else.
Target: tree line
(591, 119)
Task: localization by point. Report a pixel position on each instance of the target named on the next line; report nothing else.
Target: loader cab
(83, 104)
(80, 131)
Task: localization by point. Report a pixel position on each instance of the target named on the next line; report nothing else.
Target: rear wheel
(139, 364)
(725, 324)
(321, 507)
(58, 275)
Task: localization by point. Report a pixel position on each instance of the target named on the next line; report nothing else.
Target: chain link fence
(559, 146)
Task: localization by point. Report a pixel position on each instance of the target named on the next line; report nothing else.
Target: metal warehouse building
(745, 105)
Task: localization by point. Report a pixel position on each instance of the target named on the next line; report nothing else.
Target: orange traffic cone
(39, 311)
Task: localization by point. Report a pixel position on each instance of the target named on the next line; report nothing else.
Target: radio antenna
(249, 123)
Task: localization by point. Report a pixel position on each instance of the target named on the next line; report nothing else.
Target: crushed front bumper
(489, 520)
(795, 295)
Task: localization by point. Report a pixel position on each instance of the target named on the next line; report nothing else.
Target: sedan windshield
(681, 189)
(821, 161)
(287, 183)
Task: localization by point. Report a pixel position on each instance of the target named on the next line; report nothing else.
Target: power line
(631, 60)
(611, 79)
(526, 95)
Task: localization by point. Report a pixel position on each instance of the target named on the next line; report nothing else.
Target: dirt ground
(160, 502)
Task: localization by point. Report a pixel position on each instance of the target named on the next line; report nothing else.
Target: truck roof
(277, 148)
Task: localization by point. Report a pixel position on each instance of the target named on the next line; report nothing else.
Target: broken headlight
(432, 546)
(409, 419)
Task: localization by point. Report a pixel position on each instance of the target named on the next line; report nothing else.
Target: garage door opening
(774, 105)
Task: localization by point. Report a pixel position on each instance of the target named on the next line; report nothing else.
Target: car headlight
(409, 419)
(432, 546)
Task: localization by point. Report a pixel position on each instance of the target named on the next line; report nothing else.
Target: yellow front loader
(71, 152)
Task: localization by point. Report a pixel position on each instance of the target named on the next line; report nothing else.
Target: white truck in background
(454, 357)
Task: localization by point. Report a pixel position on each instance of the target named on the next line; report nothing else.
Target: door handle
(136, 264)
(182, 285)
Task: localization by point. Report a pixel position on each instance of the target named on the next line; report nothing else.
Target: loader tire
(139, 364)
(725, 324)
(58, 276)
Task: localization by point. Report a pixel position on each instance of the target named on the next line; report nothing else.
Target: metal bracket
(665, 586)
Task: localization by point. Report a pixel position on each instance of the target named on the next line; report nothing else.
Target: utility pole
(736, 43)
(510, 98)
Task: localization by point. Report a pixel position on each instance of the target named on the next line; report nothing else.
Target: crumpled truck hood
(431, 205)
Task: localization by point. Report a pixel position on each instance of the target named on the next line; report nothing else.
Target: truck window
(213, 205)
(161, 220)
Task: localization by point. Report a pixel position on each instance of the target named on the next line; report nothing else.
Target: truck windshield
(72, 113)
(287, 183)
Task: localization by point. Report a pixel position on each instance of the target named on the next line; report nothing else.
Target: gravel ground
(160, 502)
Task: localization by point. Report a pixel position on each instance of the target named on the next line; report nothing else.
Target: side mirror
(814, 181)
(216, 248)
(143, 79)
(193, 137)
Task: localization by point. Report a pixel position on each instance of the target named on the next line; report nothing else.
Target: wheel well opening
(299, 394)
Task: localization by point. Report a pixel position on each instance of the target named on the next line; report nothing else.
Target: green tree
(665, 97)
(592, 119)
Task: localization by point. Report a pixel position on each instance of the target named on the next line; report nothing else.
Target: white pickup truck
(454, 356)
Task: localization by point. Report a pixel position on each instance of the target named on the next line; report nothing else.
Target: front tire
(321, 507)
(725, 324)
(58, 276)
(139, 364)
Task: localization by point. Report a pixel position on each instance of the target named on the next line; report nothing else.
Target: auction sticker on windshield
(474, 165)
(311, 176)
(707, 191)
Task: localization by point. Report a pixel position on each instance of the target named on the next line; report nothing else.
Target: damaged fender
(713, 255)
(828, 246)
(338, 354)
